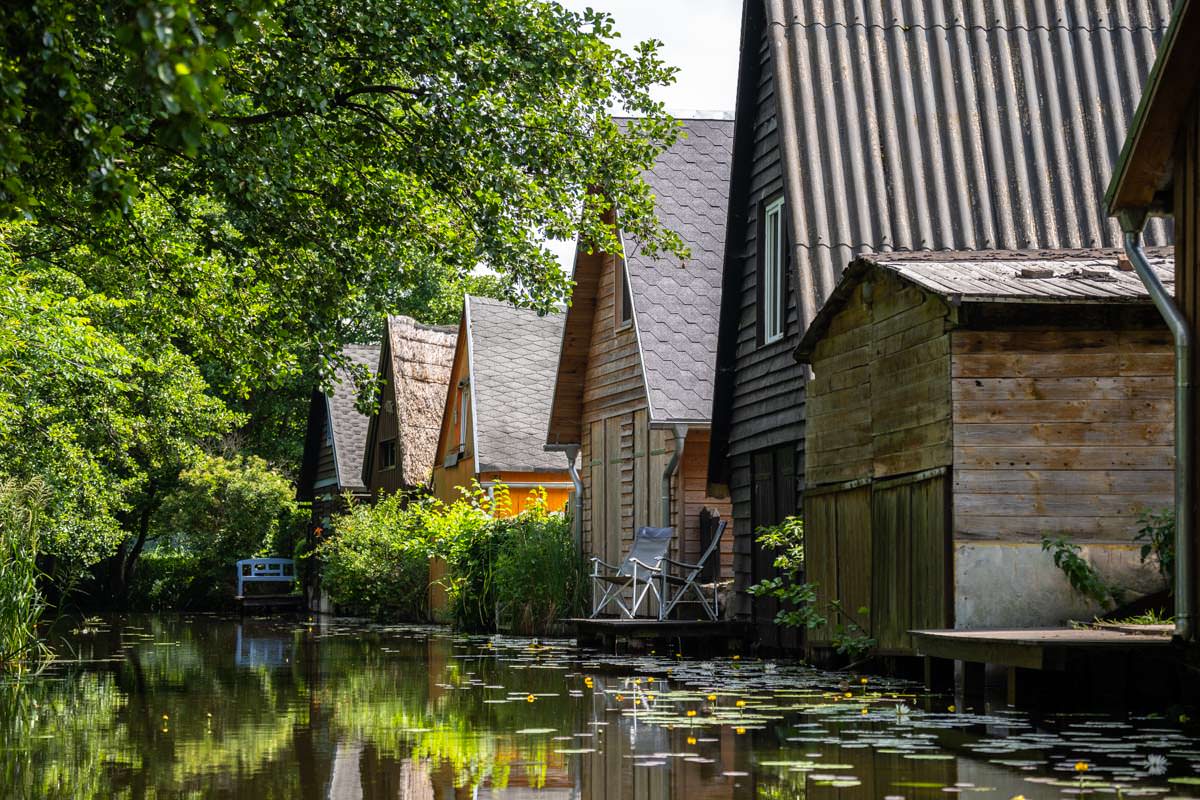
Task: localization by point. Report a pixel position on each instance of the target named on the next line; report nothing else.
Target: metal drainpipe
(1184, 460)
(572, 453)
(680, 432)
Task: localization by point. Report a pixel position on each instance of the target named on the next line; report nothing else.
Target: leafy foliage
(21, 604)
(221, 510)
(202, 202)
(1157, 536)
(518, 573)
(1080, 574)
(799, 606)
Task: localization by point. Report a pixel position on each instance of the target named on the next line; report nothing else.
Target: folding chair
(640, 571)
(689, 581)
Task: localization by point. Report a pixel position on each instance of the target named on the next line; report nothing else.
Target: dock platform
(266, 603)
(607, 631)
(1031, 656)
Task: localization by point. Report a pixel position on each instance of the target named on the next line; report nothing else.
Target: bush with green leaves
(518, 573)
(1082, 576)
(798, 603)
(222, 509)
(1157, 536)
(21, 602)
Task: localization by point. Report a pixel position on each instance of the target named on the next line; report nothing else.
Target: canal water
(205, 707)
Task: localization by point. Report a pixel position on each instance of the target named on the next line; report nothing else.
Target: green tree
(200, 201)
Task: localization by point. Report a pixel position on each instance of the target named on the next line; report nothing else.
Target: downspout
(680, 432)
(1131, 224)
(572, 452)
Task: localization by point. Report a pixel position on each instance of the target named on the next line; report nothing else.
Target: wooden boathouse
(414, 372)
(497, 406)
(963, 407)
(633, 386)
(335, 439)
(940, 126)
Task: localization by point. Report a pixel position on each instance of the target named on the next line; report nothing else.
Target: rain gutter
(680, 433)
(1132, 224)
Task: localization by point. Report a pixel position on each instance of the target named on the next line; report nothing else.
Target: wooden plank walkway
(1037, 648)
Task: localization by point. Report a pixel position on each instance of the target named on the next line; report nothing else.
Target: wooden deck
(1037, 648)
(266, 603)
(715, 635)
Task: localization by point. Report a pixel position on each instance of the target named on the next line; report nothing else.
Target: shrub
(376, 559)
(1082, 576)
(799, 607)
(221, 511)
(21, 602)
(1157, 536)
(518, 573)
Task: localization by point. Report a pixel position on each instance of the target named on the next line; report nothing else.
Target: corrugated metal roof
(1038, 276)
(953, 125)
(1048, 277)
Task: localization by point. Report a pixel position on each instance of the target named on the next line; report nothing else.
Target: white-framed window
(622, 299)
(463, 399)
(774, 272)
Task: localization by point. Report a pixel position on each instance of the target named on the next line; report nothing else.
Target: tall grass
(21, 602)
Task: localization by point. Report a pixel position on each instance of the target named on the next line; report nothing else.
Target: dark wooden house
(943, 126)
(414, 372)
(1159, 175)
(334, 441)
(963, 407)
(633, 385)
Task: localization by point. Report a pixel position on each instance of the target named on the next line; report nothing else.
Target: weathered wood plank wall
(1061, 431)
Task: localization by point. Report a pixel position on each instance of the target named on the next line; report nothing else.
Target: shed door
(838, 555)
(772, 498)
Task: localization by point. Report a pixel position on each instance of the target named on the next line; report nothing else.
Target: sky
(700, 37)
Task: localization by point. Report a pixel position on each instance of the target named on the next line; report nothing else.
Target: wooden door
(772, 499)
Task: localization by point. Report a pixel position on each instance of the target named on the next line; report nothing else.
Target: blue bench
(267, 570)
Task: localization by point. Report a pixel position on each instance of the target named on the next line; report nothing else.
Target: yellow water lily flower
(691, 712)
(530, 699)
(1082, 766)
(951, 708)
(691, 740)
(740, 704)
(712, 698)
(739, 731)
(863, 681)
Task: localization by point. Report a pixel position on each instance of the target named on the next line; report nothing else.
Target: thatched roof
(419, 359)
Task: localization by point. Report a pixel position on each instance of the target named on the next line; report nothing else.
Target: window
(773, 275)
(622, 300)
(462, 416)
(387, 454)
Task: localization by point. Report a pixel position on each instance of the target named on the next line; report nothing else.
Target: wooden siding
(879, 401)
(385, 481)
(326, 463)
(447, 480)
(768, 388)
(623, 458)
(1061, 431)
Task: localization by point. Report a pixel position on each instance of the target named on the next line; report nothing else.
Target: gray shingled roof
(1032, 276)
(953, 125)
(347, 425)
(514, 355)
(677, 307)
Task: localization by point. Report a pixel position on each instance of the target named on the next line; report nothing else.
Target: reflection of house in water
(263, 646)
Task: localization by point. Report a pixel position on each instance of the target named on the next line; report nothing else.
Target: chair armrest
(599, 562)
(646, 566)
(683, 564)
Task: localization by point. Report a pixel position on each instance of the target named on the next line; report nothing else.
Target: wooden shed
(896, 126)
(633, 385)
(497, 406)
(334, 441)
(414, 372)
(963, 407)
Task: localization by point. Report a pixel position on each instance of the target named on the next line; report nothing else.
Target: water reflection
(157, 707)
